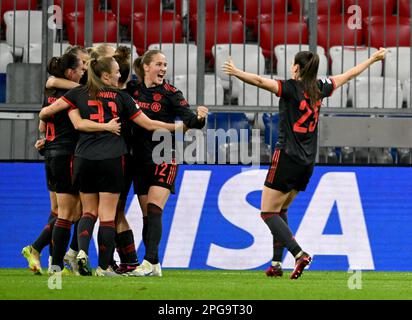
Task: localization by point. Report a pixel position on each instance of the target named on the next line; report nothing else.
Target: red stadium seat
(69, 6)
(404, 8)
(377, 7)
(252, 9)
(225, 22)
(335, 32)
(297, 32)
(383, 32)
(335, 6)
(101, 21)
(139, 6)
(8, 5)
(210, 6)
(155, 26)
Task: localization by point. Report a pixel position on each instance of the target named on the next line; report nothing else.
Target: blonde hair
(95, 72)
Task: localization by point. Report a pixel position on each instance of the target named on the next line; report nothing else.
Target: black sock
(154, 232)
(74, 245)
(45, 236)
(85, 231)
(277, 245)
(105, 239)
(280, 230)
(144, 231)
(61, 238)
(119, 249)
(127, 247)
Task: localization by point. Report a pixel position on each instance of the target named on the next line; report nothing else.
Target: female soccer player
(98, 170)
(153, 182)
(294, 157)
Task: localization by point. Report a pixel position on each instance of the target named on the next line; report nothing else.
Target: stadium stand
(213, 91)
(126, 8)
(8, 5)
(373, 8)
(166, 28)
(347, 57)
(404, 9)
(181, 58)
(393, 58)
(250, 10)
(73, 6)
(387, 31)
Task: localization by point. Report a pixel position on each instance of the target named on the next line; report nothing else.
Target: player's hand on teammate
(229, 67)
(202, 112)
(379, 55)
(114, 126)
(40, 144)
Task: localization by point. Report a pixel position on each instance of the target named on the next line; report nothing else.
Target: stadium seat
(400, 57)
(8, 5)
(22, 36)
(247, 57)
(125, 12)
(227, 28)
(349, 54)
(250, 10)
(181, 58)
(211, 6)
(335, 6)
(330, 32)
(169, 28)
(404, 9)
(6, 56)
(387, 32)
(32, 54)
(406, 88)
(214, 94)
(296, 32)
(373, 8)
(271, 123)
(360, 98)
(249, 95)
(291, 50)
(70, 6)
(104, 28)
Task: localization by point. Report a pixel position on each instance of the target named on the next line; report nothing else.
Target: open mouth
(160, 77)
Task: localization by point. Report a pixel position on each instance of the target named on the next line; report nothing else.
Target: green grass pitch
(209, 285)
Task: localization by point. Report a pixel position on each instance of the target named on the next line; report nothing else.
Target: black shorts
(93, 176)
(285, 174)
(59, 172)
(147, 175)
(128, 176)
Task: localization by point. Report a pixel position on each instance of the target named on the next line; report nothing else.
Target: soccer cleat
(55, 270)
(125, 267)
(157, 270)
(106, 273)
(144, 270)
(300, 264)
(83, 263)
(70, 261)
(274, 271)
(33, 258)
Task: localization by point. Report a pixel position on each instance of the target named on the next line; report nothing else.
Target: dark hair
(122, 56)
(57, 67)
(308, 63)
(94, 73)
(144, 59)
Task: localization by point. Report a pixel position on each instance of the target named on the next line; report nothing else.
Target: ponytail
(94, 72)
(308, 72)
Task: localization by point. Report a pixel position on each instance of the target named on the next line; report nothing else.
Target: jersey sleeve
(183, 111)
(71, 97)
(130, 107)
(285, 88)
(326, 86)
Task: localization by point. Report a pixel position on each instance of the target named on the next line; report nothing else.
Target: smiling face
(155, 71)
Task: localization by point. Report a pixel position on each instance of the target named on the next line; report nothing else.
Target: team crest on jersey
(157, 97)
(155, 106)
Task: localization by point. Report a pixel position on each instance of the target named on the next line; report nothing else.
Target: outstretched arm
(343, 78)
(151, 125)
(250, 78)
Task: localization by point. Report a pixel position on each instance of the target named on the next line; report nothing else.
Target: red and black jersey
(61, 137)
(109, 103)
(163, 103)
(298, 121)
